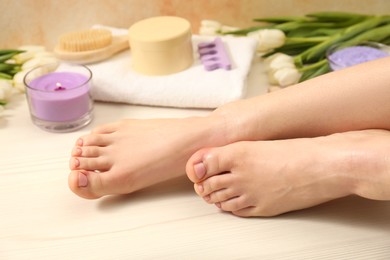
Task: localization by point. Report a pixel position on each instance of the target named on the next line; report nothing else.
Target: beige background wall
(42, 21)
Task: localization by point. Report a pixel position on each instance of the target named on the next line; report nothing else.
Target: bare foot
(129, 155)
(268, 178)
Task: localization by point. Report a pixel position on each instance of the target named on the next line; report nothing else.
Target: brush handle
(119, 43)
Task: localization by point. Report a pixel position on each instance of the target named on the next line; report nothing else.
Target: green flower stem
(283, 19)
(323, 32)
(244, 32)
(9, 55)
(309, 74)
(8, 51)
(290, 26)
(313, 65)
(376, 35)
(335, 16)
(317, 52)
(306, 39)
(5, 76)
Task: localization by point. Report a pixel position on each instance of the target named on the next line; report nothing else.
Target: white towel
(115, 81)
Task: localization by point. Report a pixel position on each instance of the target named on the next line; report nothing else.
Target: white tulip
(6, 89)
(226, 29)
(44, 54)
(279, 61)
(209, 27)
(30, 52)
(208, 31)
(268, 39)
(285, 77)
(210, 23)
(2, 95)
(38, 61)
(271, 79)
(282, 70)
(278, 58)
(18, 80)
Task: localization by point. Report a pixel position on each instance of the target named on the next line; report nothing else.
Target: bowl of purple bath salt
(340, 57)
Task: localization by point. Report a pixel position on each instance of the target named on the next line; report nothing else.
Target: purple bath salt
(350, 56)
(59, 96)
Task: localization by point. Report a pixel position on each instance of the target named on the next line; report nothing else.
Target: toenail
(200, 170)
(206, 198)
(77, 151)
(79, 142)
(218, 204)
(83, 180)
(200, 188)
(76, 162)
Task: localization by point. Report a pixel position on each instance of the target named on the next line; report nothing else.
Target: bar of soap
(161, 45)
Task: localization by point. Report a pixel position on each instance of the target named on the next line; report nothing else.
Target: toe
(93, 185)
(94, 140)
(220, 196)
(87, 151)
(76, 151)
(89, 164)
(106, 129)
(246, 212)
(85, 184)
(213, 184)
(234, 204)
(208, 162)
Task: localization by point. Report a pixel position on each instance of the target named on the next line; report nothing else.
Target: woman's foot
(268, 178)
(129, 155)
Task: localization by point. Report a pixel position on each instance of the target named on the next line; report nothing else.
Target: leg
(131, 154)
(267, 178)
(355, 98)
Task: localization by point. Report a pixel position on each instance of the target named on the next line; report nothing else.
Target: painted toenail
(79, 142)
(83, 180)
(200, 188)
(76, 162)
(77, 151)
(200, 170)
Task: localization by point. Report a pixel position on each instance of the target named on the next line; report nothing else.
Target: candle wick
(59, 87)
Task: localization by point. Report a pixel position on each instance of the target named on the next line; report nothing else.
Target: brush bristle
(85, 40)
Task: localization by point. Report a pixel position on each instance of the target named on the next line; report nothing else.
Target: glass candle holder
(59, 96)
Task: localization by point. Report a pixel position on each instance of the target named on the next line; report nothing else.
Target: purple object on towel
(213, 55)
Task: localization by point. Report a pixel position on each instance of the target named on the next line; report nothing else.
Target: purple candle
(60, 96)
(59, 100)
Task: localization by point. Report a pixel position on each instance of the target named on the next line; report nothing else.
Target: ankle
(195, 133)
(214, 131)
(241, 121)
(360, 160)
(371, 168)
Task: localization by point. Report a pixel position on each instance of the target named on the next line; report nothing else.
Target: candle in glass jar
(59, 96)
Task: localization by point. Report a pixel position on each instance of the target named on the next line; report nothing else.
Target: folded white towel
(115, 81)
